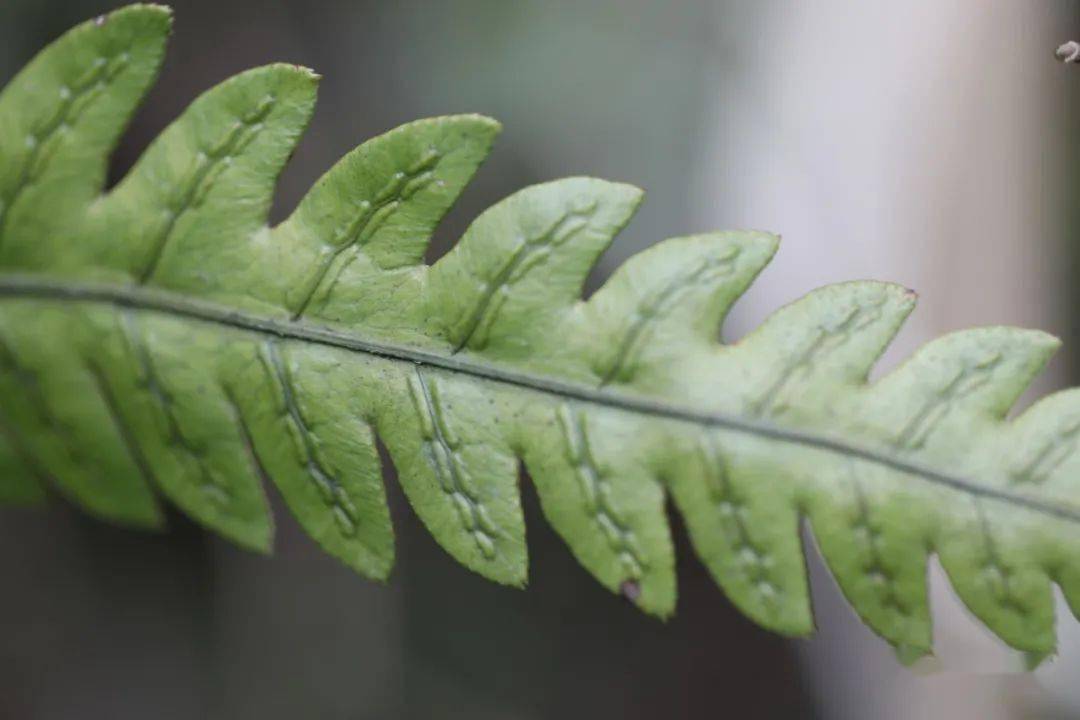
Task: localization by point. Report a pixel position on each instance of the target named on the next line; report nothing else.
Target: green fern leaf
(161, 338)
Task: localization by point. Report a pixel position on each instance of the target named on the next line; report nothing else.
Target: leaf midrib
(151, 299)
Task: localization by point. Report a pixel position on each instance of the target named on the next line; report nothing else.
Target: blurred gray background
(933, 143)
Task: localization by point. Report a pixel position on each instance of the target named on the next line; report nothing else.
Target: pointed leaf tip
(909, 655)
(1033, 660)
(159, 17)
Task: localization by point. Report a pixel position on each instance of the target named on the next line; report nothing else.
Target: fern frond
(162, 338)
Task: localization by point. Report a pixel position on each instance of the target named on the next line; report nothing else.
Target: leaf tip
(764, 242)
(904, 298)
(255, 537)
(159, 17)
(1051, 342)
(481, 122)
(909, 655)
(1038, 344)
(1032, 660)
(292, 69)
(380, 573)
(150, 519)
(624, 196)
(519, 576)
(475, 129)
(633, 193)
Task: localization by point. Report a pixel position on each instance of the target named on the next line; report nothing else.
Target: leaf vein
(135, 298)
(330, 488)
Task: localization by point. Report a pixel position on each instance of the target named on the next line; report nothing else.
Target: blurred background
(930, 142)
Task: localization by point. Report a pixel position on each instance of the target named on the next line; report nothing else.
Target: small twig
(1068, 52)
